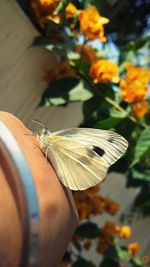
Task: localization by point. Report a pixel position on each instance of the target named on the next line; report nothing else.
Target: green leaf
(59, 49)
(65, 50)
(81, 66)
(65, 91)
(78, 246)
(142, 146)
(107, 262)
(72, 55)
(67, 256)
(41, 40)
(141, 174)
(80, 93)
(83, 263)
(111, 252)
(91, 110)
(60, 6)
(118, 114)
(142, 201)
(122, 253)
(108, 123)
(88, 230)
(137, 261)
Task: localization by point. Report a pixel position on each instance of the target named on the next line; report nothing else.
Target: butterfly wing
(109, 145)
(77, 166)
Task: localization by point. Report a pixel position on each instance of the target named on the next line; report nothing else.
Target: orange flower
(87, 244)
(146, 259)
(93, 190)
(59, 71)
(88, 202)
(64, 263)
(75, 239)
(83, 210)
(107, 236)
(139, 109)
(109, 229)
(134, 86)
(133, 248)
(87, 53)
(104, 71)
(44, 9)
(97, 204)
(102, 246)
(91, 24)
(124, 231)
(111, 206)
(71, 10)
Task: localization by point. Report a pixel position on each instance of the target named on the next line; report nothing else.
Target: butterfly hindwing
(77, 166)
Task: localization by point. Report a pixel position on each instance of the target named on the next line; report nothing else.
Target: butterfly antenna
(38, 122)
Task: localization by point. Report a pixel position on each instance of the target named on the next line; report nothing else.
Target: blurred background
(86, 63)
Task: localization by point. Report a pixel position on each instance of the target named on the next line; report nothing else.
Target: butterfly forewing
(106, 143)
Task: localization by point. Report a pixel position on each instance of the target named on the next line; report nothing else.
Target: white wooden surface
(21, 71)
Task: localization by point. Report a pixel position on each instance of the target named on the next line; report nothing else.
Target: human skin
(57, 210)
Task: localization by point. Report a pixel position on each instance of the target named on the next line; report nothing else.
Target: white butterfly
(81, 156)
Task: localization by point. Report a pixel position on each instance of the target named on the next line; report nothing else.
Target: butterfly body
(81, 156)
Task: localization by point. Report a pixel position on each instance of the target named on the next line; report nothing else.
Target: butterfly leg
(46, 154)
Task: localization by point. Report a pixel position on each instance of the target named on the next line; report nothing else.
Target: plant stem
(118, 107)
(108, 99)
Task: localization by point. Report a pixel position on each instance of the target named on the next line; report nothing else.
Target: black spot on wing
(98, 150)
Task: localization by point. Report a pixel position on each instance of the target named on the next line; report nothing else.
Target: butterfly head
(43, 136)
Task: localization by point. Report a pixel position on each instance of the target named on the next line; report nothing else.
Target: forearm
(57, 210)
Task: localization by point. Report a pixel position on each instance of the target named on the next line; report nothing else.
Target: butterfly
(81, 156)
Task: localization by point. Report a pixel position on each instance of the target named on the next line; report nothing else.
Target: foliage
(115, 95)
(106, 238)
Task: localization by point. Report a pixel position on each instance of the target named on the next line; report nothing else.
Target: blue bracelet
(21, 182)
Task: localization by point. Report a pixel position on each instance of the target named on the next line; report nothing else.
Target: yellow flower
(124, 231)
(139, 109)
(134, 86)
(71, 10)
(91, 24)
(104, 71)
(133, 248)
(43, 10)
